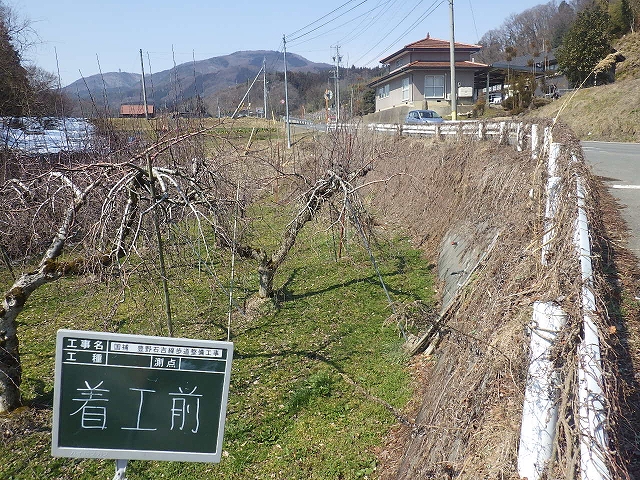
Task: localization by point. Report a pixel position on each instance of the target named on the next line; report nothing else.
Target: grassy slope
(608, 112)
(292, 414)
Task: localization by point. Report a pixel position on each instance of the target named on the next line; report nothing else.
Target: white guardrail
(540, 409)
(465, 128)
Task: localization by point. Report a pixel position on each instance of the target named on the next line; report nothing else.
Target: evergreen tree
(621, 17)
(368, 101)
(585, 44)
(14, 86)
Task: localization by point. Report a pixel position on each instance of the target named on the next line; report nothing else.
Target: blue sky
(112, 32)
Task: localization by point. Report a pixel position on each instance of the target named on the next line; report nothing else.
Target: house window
(434, 86)
(406, 86)
(383, 92)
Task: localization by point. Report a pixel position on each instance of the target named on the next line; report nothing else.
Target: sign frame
(204, 360)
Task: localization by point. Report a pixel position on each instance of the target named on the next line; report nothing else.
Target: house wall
(394, 96)
(464, 78)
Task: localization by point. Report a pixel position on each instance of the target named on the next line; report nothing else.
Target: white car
(423, 116)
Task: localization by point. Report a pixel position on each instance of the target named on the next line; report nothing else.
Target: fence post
(520, 136)
(546, 141)
(502, 135)
(482, 131)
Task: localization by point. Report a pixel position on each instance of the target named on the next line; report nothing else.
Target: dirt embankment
(465, 420)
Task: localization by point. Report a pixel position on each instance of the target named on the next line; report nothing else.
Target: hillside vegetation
(629, 46)
(606, 112)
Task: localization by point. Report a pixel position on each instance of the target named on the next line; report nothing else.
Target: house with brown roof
(420, 76)
(127, 110)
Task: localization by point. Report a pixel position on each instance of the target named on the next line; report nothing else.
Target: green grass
(291, 413)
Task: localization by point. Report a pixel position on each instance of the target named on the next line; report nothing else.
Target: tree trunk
(12, 304)
(10, 370)
(266, 272)
(322, 191)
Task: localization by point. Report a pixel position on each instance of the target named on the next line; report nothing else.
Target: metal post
(121, 467)
(286, 93)
(486, 100)
(452, 62)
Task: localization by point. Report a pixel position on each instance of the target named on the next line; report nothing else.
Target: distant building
(136, 111)
(549, 81)
(419, 76)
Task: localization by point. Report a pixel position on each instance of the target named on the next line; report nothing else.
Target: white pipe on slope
(591, 399)
(540, 408)
(553, 194)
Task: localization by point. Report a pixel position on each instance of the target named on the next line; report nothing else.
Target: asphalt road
(618, 164)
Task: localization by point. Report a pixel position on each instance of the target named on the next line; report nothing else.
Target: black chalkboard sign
(139, 397)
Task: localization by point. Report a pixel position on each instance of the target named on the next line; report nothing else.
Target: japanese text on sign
(166, 397)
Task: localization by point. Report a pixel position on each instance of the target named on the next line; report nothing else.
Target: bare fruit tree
(76, 215)
(328, 172)
(81, 216)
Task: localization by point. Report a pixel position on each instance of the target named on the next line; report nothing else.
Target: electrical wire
(322, 18)
(361, 29)
(327, 22)
(335, 28)
(388, 34)
(473, 17)
(432, 8)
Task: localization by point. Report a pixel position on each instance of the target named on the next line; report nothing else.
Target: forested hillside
(544, 27)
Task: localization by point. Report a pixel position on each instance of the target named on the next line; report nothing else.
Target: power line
(360, 29)
(335, 28)
(327, 22)
(429, 11)
(473, 17)
(322, 18)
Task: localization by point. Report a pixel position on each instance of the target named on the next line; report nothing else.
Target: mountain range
(172, 88)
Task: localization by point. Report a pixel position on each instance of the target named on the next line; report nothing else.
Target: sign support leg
(121, 467)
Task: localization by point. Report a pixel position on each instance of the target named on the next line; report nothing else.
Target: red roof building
(420, 76)
(136, 110)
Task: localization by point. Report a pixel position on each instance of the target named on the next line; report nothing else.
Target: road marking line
(630, 187)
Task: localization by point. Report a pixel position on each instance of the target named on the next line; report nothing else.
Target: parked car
(423, 116)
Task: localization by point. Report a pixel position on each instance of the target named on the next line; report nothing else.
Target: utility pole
(144, 89)
(264, 80)
(452, 62)
(337, 59)
(351, 101)
(286, 93)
